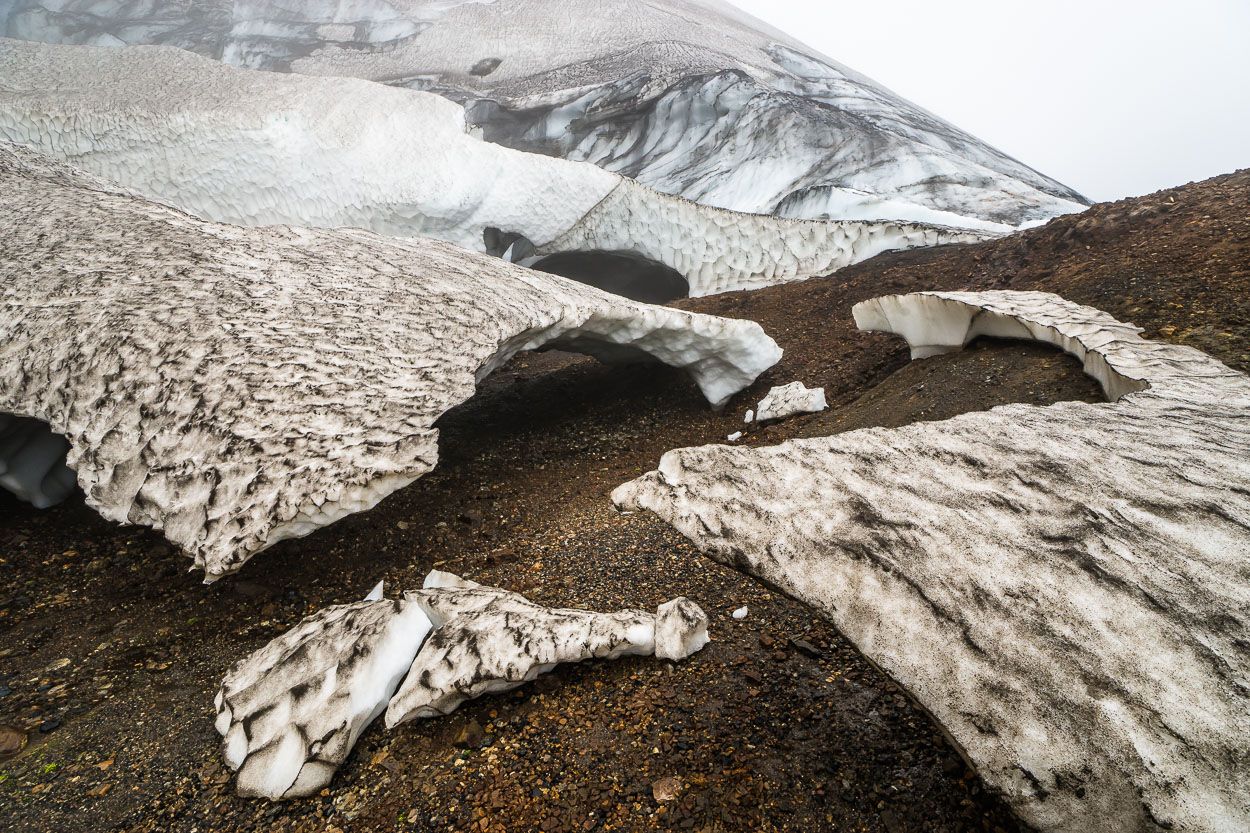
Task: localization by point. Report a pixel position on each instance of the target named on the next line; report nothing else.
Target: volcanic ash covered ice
(691, 97)
(1065, 588)
(298, 377)
(257, 148)
(291, 712)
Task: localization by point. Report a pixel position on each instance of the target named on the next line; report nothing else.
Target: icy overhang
(257, 148)
(1064, 588)
(233, 387)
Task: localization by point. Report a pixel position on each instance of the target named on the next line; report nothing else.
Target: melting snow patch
(1064, 588)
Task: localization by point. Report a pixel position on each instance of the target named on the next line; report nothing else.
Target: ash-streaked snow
(691, 97)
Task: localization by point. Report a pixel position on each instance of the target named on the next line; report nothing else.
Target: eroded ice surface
(291, 712)
(663, 91)
(256, 148)
(488, 640)
(790, 400)
(1065, 588)
(298, 376)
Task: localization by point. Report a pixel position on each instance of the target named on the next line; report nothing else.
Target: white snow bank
(1064, 588)
(260, 148)
(298, 378)
(790, 400)
(291, 712)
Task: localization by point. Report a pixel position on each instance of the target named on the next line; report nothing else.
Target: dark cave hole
(621, 273)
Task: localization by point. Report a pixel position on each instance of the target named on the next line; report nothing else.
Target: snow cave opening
(621, 273)
(32, 461)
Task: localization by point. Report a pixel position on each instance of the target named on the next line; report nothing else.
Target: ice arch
(299, 377)
(621, 273)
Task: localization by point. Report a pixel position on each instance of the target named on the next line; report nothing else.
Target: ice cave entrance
(621, 273)
(32, 461)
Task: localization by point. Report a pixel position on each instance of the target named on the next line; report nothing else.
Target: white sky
(1114, 98)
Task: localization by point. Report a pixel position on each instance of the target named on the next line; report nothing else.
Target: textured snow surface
(254, 148)
(298, 375)
(487, 640)
(291, 712)
(1065, 588)
(789, 400)
(691, 97)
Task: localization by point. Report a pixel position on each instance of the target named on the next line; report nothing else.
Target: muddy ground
(110, 651)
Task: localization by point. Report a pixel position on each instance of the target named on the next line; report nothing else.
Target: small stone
(470, 735)
(753, 675)
(12, 740)
(470, 517)
(666, 789)
(806, 648)
(49, 726)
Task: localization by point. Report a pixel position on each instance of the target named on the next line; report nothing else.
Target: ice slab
(298, 377)
(790, 400)
(1064, 588)
(291, 712)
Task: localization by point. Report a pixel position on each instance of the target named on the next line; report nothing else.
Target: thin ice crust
(298, 378)
(1065, 588)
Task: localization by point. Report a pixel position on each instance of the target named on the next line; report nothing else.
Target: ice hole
(32, 461)
(621, 273)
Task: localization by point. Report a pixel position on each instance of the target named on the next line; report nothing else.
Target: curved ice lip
(298, 376)
(1063, 587)
(260, 148)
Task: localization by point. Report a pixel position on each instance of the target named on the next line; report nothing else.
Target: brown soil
(110, 652)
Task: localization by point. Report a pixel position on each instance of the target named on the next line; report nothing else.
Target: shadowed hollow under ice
(291, 712)
(298, 376)
(1065, 588)
(256, 148)
(691, 97)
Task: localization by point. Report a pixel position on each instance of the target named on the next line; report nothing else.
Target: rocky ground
(110, 652)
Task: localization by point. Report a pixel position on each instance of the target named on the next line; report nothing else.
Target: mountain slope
(691, 97)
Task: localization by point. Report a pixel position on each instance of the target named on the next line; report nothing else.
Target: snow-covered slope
(233, 386)
(248, 147)
(1065, 588)
(691, 97)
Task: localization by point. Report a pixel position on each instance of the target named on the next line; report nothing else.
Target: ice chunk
(291, 712)
(789, 400)
(740, 613)
(680, 629)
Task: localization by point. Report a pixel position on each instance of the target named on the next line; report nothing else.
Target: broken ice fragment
(790, 400)
(735, 436)
(291, 712)
(740, 613)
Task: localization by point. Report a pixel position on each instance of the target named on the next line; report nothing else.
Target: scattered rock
(666, 789)
(470, 735)
(12, 740)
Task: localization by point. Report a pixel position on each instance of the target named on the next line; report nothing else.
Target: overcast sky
(1111, 97)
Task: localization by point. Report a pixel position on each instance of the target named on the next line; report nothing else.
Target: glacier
(260, 148)
(1064, 588)
(290, 712)
(691, 97)
(299, 375)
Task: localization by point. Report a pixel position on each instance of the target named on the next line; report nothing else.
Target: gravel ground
(110, 652)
